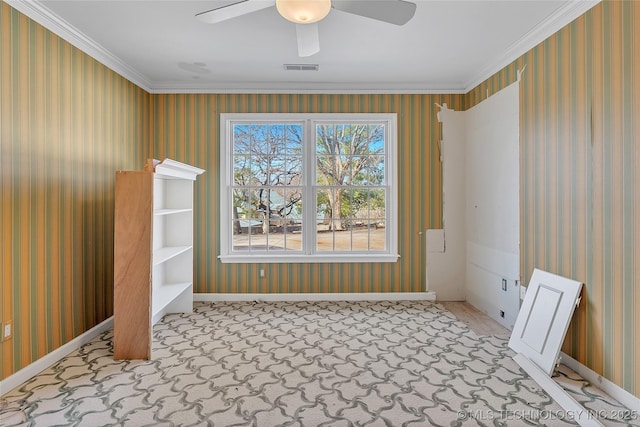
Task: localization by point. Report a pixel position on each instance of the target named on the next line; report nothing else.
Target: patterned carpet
(301, 364)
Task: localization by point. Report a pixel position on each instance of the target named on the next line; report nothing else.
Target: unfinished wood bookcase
(153, 251)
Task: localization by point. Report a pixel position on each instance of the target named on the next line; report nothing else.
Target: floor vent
(301, 67)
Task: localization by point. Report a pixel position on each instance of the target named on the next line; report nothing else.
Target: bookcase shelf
(153, 251)
(166, 253)
(170, 292)
(160, 212)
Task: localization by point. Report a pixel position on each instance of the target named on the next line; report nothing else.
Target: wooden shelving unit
(153, 255)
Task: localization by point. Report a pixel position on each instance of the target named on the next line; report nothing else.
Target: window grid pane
(346, 179)
(350, 179)
(267, 193)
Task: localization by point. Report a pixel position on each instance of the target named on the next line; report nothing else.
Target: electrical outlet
(7, 330)
(262, 272)
(523, 291)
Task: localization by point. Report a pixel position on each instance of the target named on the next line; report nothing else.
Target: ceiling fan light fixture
(303, 11)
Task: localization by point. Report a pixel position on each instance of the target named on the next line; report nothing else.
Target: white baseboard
(618, 393)
(31, 370)
(365, 296)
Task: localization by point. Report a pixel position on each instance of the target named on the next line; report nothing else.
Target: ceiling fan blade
(233, 10)
(308, 39)
(397, 12)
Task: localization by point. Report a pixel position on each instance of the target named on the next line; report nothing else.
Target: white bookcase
(153, 251)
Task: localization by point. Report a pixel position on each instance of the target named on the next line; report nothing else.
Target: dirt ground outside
(356, 239)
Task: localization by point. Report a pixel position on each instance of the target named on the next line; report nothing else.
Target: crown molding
(561, 17)
(304, 88)
(36, 10)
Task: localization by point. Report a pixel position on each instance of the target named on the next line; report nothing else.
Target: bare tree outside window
(267, 174)
(350, 157)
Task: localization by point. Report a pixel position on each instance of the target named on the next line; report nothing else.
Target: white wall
(480, 151)
(492, 205)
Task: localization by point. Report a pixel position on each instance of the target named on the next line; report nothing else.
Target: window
(308, 188)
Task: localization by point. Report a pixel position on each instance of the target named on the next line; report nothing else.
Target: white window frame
(308, 254)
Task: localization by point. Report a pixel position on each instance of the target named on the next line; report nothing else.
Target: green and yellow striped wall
(580, 177)
(186, 127)
(67, 123)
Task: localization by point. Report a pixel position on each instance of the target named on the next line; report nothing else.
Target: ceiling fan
(306, 14)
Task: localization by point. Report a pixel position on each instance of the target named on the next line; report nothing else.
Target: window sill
(293, 259)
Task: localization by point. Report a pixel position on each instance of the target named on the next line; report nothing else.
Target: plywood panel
(132, 265)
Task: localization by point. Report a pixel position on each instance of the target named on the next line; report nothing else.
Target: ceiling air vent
(301, 67)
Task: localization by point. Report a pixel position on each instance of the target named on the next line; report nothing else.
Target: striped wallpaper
(580, 177)
(67, 124)
(187, 129)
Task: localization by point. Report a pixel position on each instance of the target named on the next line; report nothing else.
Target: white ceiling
(449, 46)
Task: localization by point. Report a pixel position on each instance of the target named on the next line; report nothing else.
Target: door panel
(544, 318)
